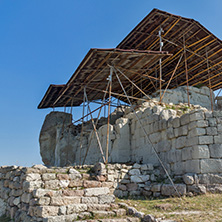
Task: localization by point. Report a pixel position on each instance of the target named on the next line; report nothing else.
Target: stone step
(127, 219)
(117, 215)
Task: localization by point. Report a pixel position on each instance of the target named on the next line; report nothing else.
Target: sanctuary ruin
(151, 126)
(159, 82)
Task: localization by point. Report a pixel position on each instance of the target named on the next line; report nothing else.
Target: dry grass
(199, 208)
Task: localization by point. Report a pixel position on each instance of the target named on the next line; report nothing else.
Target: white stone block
(96, 191)
(212, 131)
(181, 142)
(176, 122)
(218, 139)
(200, 152)
(215, 150)
(212, 122)
(185, 119)
(211, 165)
(197, 132)
(192, 141)
(192, 166)
(197, 116)
(205, 140)
(187, 153)
(178, 168)
(170, 133)
(198, 124)
(134, 172)
(139, 178)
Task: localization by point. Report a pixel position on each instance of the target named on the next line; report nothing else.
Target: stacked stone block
(53, 194)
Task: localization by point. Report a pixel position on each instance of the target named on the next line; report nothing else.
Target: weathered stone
(26, 197)
(205, 140)
(192, 166)
(44, 211)
(181, 142)
(215, 150)
(63, 176)
(106, 199)
(197, 116)
(43, 201)
(90, 200)
(218, 139)
(168, 189)
(48, 176)
(66, 200)
(92, 207)
(96, 191)
(52, 184)
(211, 131)
(91, 183)
(16, 201)
(30, 186)
(64, 183)
(197, 189)
(200, 152)
(2, 207)
(139, 178)
(185, 119)
(211, 166)
(197, 132)
(73, 192)
(76, 208)
(188, 179)
(187, 153)
(75, 183)
(32, 176)
(156, 188)
(134, 172)
(55, 141)
(131, 186)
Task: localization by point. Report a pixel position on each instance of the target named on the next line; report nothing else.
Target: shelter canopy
(203, 49)
(93, 72)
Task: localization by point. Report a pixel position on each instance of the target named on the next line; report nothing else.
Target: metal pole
(94, 127)
(80, 152)
(211, 96)
(108, 119)
(146, 135)
(185, 60)
(160, 61)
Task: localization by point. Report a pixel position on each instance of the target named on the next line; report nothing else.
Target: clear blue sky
(43, 42)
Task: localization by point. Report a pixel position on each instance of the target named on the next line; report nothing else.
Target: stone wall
(198, 96)
(67, 194)
(53, 194)
(187, 139)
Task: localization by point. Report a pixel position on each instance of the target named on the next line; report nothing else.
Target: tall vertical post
(160, 61)
(187, 78)
(108, 119)
(83, 113)
(211, 96)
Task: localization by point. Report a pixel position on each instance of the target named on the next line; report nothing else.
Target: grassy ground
(199, 208)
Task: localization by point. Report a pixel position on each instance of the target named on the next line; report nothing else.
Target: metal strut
(145, 133)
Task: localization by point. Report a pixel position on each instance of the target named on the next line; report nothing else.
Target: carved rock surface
(56, 139)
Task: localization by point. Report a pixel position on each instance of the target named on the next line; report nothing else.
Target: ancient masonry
(187, 139)
(68, 194)
(163, 139)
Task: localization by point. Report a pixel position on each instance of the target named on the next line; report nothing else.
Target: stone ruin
(187, 139)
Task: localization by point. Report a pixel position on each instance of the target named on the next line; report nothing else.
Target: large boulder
(57, 145)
